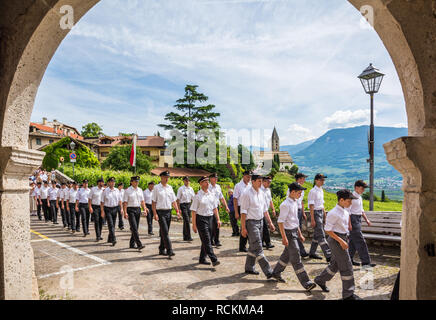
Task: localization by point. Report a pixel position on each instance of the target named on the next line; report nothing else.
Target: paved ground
(73, 267)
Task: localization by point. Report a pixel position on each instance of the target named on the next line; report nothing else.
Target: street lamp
(73, 146)
(371, 79)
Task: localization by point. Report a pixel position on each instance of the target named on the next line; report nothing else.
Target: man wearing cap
(266, 238)
(233, 221)
(133, 201)
(163, 198)
(290, 231)
(337, 226)
(315, 200)
(35, 194)
(254, 207)
(357, 241)
(240, 188)
(204, 206)
(43, 195)
(62, 194)
(300, 178)
(53, 203)
(215, 189)
(148, 203)
(110, 202)
(82, 206)
(185, 195)
(94, 204)
(71, 207)
(120, 212)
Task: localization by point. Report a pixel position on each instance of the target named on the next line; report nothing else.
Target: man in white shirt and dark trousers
(163, 198)
(71, 207)
(216, 190)
(62, 195)
(290, 231)
(36, 194)
(110, 202)
(357, 241)
(148, 203)
(204, 206)
(43, 195)
(185, 195)
(300, 178)
(94, 201)
(337, 227)
(253, 208)
(82, 206)
(133, 201)
(266, 238)
(53, 202)
(240, 188)
(317, 216)
(120, 208)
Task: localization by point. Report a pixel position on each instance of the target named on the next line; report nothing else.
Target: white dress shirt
(147, 196)
(356, 205)
(316, 197)
(111, 197)
(83, 195)
(72, 194)
(43, 177)
(253, 204)
(95, 196)
(163, 196)
(240, 188)
(44, 192)
(121, 194)
(268, 195)
(185, 194)
(289, 214)
(337, 220)
(62, 194)
(52, 193)
(133, 197)
(204, 203)
(36, 192)
(216, 191)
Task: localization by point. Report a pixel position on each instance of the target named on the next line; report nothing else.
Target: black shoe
(151, 233)
(190, 239)
(141, 247)
(315, 256)
(121, 228)
(218, 244)
(357, 264)
(279, 278)
(233, 234)
(328, 259)
(97, 240)
(114, 243)
(101, 238)
(55, 222)
(206, 263)
(270, 246)
(171, 254)
(243, 250)
(263, 245)
(353, 297)
(304, 255)
(162, 253)
(323, 287)
(310, 286)
(88, 233)
(131, 247)
(216, 263)
(256, 273)
(368, 265)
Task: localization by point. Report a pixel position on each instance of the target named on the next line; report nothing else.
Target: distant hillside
(294, 149)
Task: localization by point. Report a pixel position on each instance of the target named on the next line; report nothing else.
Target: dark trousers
(98, 220)
(319, 235)
(242, 240)
(65, 215)
(265, 233)
(204, 224)
(111, 218)
(120, 218)
(38, 209)
(54, 211)
(134, 214)
(234, 223)
(215, 230)
(357, 241)
(164, 225)
(186, 214)
(74, 217)
(46, 210)
(84, 215)
(150, 218)
(300, 244)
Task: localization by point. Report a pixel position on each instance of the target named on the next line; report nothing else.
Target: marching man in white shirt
(253, 208)
(110, 202)
(163, 198)
(266, 238)
(82, 206)
(240, 188)
(357, 241)
(315, 200)
(62, 194)
(148, 204)
(133, 201)
(71, 207)
(185, 195)
(43, 198)
(94, 202)
(216, 190)
(203, 208)
(53, 203)
(290, 231)
(36, 194)
(337, 227)
(300, 178)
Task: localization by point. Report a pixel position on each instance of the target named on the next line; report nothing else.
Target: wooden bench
(385, 226)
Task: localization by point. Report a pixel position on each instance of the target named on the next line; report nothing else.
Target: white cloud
(348, 118)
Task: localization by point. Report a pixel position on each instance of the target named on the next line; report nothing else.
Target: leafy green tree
(91, 130)
(294, 170)
(119, 159)
(125, 134)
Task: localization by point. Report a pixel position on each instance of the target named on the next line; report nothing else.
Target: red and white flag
(133, 152)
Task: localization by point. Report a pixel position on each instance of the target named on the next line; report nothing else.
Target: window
(104, 154)
(147, 153)
(38, 141)
(162, 153)
(50, 141)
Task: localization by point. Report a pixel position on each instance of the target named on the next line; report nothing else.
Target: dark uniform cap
(267, 178)
(100, 180)
(360, 183)
(300, 175)
(45, 181)
(85, 181)
(320, 176)
(345, 194)
(74, 183)
(151, 182)
(135, 178)
(185, 178)
(39, 182)
(111, 179)
(202, 179)
(214, 175)
(165, 173)
(247, 173)
(296, 187)
(58, 186)
(63, 184)
(256, 176)
(120, 184)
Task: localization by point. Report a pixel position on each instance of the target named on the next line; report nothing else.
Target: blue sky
(287, 63)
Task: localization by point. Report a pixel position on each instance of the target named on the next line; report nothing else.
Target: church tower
(275, 141)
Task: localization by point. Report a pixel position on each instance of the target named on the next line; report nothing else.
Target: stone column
(17, 280)
(415, 159)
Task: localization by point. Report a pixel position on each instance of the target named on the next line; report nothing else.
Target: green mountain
(342, 154)
(294, 149)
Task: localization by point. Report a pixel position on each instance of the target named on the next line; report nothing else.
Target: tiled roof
(182, 172)
(149, 141)
(48, 129)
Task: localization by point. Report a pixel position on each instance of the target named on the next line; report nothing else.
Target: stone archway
(30, 34)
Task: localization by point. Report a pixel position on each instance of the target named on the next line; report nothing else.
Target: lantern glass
(371, 79)
(72, 145)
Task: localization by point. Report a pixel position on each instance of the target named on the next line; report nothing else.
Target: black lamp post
(371, 79)
(73, 146)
